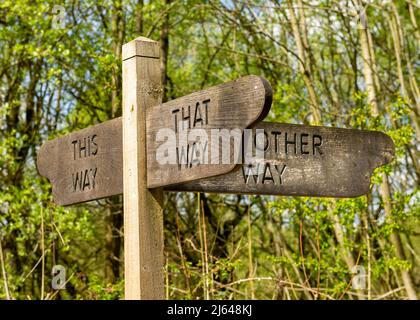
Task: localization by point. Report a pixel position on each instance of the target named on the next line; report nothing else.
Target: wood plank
(236, 104)
(343, 170)
(143, 217)
(84, 165)
(324, 162)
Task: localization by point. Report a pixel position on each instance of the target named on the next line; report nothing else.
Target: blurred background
(341, 63)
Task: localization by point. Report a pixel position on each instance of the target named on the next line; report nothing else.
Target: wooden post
(143, 220)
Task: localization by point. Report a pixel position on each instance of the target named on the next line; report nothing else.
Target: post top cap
(141, 47)
(141, 38)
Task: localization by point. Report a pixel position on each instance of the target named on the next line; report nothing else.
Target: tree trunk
(303, 53)
(139, 17)
(304, 66)
(114, 219)
(385, 191)
(118, 35)
(164, 44)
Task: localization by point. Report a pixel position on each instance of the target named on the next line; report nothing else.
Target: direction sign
(84, 165)
(298, 160)
(305, 161)
(236, 105)
(87, 165)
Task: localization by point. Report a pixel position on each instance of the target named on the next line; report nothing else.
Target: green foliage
(54, 81)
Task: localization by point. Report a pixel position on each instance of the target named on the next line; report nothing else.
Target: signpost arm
(143, 219)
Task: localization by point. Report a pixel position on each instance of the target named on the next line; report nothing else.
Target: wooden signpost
(120, 157)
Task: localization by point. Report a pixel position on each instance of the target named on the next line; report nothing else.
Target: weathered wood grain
(343, 170)
(235, 104)
(340, 167)
(84, 165)
(143, 216)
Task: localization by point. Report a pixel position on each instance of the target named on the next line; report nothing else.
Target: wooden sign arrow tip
(382, 147)
(41, 164)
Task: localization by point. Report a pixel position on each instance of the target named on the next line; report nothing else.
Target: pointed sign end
(386, 149)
